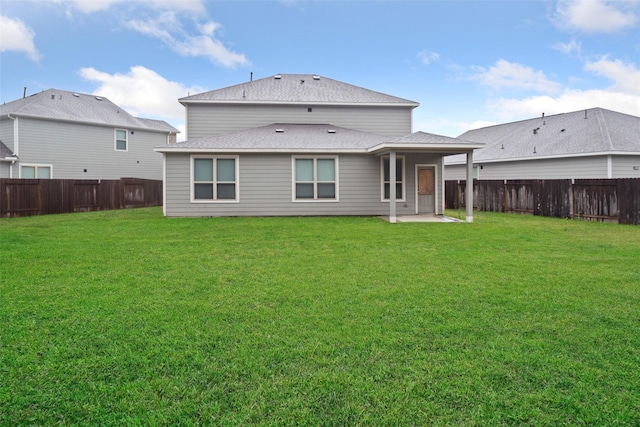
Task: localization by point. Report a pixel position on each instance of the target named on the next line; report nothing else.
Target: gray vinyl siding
(4, 169)
(208, 120)
(568, 168)
(71, 148)
(623, 166)
(265, 188)
(6, 132)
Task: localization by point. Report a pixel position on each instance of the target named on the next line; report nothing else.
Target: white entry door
(426, 191)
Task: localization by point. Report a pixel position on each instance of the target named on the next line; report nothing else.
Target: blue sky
(468, 63)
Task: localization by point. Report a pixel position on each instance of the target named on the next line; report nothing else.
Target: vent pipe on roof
(585, 114)
(24, 93)
(543, 115)
(251, 77)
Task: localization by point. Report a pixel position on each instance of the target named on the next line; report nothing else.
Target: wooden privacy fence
(614, 200)
(24, 197)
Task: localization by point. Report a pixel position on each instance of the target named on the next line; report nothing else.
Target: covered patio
(426, 143)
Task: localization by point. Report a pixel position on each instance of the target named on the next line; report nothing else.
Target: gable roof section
(5, 153)
(54, 104)
(315, 138)
(279, 137)
(308, 89)
(586, 132)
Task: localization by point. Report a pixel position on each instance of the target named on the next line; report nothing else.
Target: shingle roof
(79, 107)
(279, 137)
(595, 130)
(5, 152)
(283, 137)
(298, 88)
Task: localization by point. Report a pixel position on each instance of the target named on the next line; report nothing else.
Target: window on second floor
(121, 143)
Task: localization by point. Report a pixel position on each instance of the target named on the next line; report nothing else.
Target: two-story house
(302, 144)
(68, 135)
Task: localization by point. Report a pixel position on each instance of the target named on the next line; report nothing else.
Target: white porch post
(469, 187)
(392, 187)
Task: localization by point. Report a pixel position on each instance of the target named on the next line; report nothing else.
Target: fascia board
(258, 150)
(111, 125)
(312, 103)
(558, 156)
(439, 148)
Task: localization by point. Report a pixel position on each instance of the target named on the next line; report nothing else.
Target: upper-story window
(121, 143)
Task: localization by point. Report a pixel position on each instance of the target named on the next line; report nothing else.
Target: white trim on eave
(259, 150)
(558, 156)
(314, 103)
(111, 125)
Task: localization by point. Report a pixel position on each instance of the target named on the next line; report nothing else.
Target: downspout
(469, 187)
(16, 142)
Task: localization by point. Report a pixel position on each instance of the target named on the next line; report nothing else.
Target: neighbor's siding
(622, 166)
(4, 169)
(266, 188)
(570, 168)
(6, 133)
(71, 148)
(209, 120)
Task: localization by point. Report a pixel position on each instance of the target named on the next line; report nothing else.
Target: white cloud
(510, 75)
(567, 48)
(170, 31)
(91, 6)
(16, 36)
(426, 56)
(625, 77)
(143, 93)
(601, 16)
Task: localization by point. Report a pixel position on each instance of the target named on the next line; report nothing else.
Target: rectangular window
(386, 179)
(315, 178)
(215, 179)
(121, 140)
(35, 172)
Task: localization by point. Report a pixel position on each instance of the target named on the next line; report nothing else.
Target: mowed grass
(129, 318)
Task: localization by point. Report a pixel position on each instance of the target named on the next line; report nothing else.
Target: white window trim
(214, 200)
(115, 140)
(315, 179)
(36, 165)
(404, 179)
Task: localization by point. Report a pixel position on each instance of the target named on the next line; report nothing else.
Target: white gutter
(16, 135)
(557, 156)
(310, 103)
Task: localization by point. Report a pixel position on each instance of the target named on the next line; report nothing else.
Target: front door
(426, 191)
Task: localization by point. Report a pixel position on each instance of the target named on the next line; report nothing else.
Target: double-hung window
(386, 178)
(215, 179)
(121, 143)
(315, 178)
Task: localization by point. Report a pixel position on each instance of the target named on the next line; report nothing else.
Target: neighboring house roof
(6, 154)
(585, 132)
(297, 88)
(280, 137)
(55, 104)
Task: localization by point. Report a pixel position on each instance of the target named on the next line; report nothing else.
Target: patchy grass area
(126, 317)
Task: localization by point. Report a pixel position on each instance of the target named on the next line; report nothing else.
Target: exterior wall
(4, 169)
(265, 187)
(71, 148)
(568, 168)
(208, 120)
(6, 132)
(623, 166)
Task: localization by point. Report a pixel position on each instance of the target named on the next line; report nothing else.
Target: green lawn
(126, 317)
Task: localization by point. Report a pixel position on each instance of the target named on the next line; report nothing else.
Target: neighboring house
(60, 134)
(593, 143)
(7, 158)
(297, 144)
